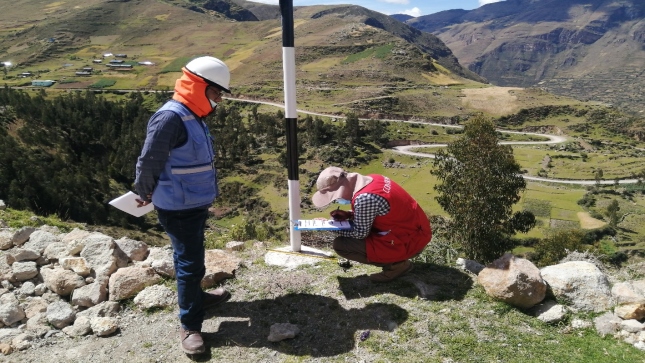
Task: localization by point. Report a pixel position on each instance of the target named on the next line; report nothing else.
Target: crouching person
(389, 225)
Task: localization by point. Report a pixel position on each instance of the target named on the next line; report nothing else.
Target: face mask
(213, 104)
(343, 201)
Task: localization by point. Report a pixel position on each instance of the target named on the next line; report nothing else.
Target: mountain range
(588, 49)
(348, 58)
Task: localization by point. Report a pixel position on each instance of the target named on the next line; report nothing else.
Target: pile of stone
(74, 282)
(554, 293)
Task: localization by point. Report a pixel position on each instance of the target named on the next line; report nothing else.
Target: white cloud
(416, 12)
(484, 2)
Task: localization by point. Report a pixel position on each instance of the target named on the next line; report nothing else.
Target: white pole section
(291, 119)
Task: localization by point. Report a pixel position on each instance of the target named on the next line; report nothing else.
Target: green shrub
(557, 245)
(439, 252)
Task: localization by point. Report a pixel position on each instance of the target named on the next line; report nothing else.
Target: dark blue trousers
(186, 231)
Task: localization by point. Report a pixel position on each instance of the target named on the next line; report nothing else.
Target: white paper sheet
(128, 204)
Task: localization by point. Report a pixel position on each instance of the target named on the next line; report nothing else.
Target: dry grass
(496, 101)
(588, 222)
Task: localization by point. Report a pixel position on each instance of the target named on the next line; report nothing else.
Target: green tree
(598, 176)
(479, 181)
(612, 213)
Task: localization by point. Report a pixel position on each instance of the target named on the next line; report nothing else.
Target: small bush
(557, 245)
(439, 252)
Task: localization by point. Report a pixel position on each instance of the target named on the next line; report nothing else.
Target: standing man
(176, 173)
(389, 225)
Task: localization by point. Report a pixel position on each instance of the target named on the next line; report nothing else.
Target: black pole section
(292, 148)
(286, 8)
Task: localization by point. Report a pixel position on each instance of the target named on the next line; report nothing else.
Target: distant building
(146, 63)
(119, 66)
(116, 61)
(42, 83)
(121, 55)
(105, 55)
(97, 61)
(25, 74)
(88, 69)
(83, 73)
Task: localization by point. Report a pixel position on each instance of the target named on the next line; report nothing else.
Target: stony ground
(331, 307)
(434, 314)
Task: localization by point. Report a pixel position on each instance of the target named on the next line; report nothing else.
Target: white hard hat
(212, 70)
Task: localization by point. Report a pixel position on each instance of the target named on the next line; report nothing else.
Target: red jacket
(407, 226)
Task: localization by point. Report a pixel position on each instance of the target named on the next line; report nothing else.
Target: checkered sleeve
(366, 207)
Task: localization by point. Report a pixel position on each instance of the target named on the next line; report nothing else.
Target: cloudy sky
(410, 7)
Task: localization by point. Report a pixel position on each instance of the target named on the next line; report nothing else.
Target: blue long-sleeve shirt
(165, 132)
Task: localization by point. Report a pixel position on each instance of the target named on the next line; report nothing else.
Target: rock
(234, 246)
(220, 265)
(10, 310)
(22, 235)
(76, 264)
(61, 281)
(24, 270)
(129, 281)
(22, 341)
(157, 296)
(81, 327)
(5, 349)
(581, 284)
(639, 345)
(38, 324)
(282, 331)
(7, 334)
(40, 289)
(470, 266)
(55, 251)
(549, 312)
(514, 280)
(40, 239)
(632, 326)
(103, 326)
(22, 254)
(135, 250)
(106, 308)
(607, 324)
(60, 314)
(101, 254)
(5, 239)
(91, 294)
(35, 306)
(160, 259)
(27, 289)
(580, 324)
(71, 239)
(630, 299)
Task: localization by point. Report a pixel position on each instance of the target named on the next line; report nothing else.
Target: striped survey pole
(291, 119)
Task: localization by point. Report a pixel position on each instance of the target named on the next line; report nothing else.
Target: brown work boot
(191, 341)
(392, 271)
(215, 297)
